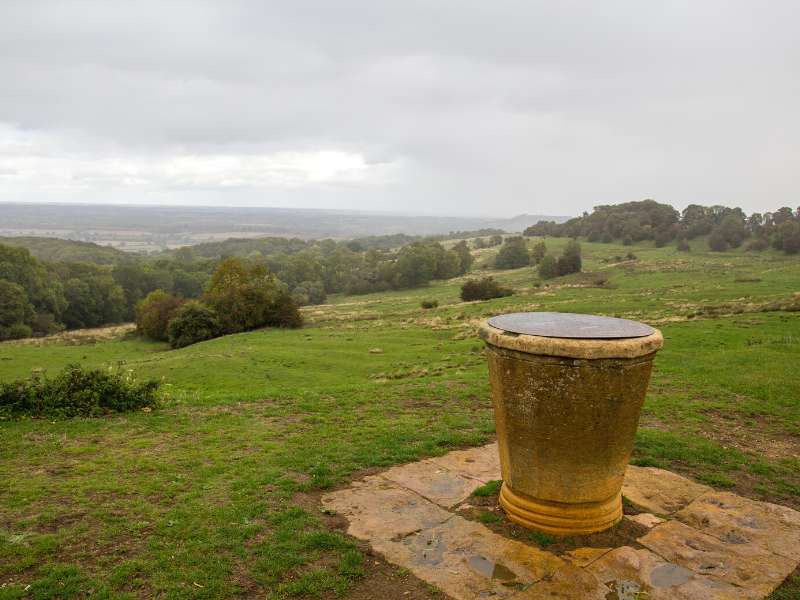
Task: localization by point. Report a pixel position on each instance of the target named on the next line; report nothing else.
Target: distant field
(214, 495)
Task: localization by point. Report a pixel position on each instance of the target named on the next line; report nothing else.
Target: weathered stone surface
(632, 574)
(442, 486)
(648, 520)
(735, 519)
(467, 561)
(719, 547)
(481, 464)
(378, 509)
(743, 564)
(658, 491)
(582, 557)
(567, 583)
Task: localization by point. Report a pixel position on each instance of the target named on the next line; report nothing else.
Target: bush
(758, 245)
(683, 246)
(193, 322)
(429, 303)
(483, 289)
(154, 313)
(17, 331)
(76, 391)
(513, 254)
(548, 267)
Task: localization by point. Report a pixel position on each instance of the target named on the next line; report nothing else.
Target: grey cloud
(480, 107)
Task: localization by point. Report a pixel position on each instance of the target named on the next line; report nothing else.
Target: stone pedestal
(567, 392)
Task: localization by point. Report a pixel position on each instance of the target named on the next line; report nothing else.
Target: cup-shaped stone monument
(567, 390)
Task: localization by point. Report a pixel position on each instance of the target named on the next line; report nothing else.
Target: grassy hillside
(214, 495)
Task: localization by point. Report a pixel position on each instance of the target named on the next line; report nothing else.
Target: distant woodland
(47, 285)
(648, 220)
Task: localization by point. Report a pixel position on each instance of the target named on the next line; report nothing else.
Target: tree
(548, 267)
(93, 297)
(538, 252)
(717, 241)
(16, 312)
(787, 237)
(513, 254)
(465, 258)
(570, 259)
(154, 313)
(193, 322)
(246, 299)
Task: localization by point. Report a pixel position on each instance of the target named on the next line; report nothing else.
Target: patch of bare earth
(757, 434)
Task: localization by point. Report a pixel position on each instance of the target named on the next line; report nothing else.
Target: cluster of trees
(649, 220)
(487, 242)
(41, 297)
(238, 298)
(569, 262)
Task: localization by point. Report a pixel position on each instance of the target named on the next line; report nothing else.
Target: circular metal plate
(570, 325)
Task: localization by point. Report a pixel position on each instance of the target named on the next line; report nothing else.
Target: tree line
(725, 227)
(42, 297)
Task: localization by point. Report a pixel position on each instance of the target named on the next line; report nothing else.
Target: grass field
(214, 495)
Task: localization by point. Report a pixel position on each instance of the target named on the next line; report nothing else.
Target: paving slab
(658, 491)
(378, 509)
(712, 546)
(632, 574)
(481, 463)
(567, 583)
(735, 519)
(466, 560)
(442, 486)
(582, 557)
(648, 520)
(743, 564)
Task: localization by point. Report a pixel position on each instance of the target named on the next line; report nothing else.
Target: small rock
(375, 351)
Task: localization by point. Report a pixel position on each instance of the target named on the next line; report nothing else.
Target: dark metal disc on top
(570, 325)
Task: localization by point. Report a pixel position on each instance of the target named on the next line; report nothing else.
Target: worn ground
(208, 496)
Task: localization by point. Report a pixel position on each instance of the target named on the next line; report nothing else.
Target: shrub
(758, 245)
(548, 267)
(429, 303)
(483, 289)
(17, 331)
(77, 391)
(193, 322)
(154, 313)
(683, 246)
(513, 254)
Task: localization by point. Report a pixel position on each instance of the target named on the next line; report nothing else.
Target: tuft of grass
(491, 488)
(487, 517)
(541, 538)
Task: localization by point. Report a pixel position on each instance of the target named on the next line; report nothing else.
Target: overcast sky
(460, 107)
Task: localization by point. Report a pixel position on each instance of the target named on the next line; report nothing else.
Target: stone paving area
(700, 544)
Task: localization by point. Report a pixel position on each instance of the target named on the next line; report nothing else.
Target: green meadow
(215, 494)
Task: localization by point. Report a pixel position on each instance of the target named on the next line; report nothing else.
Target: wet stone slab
(433, 482)
(711, 546)
(735, 519)
(658, 491)
(740, 563)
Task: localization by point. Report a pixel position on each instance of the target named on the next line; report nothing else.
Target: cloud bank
(443, 107)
